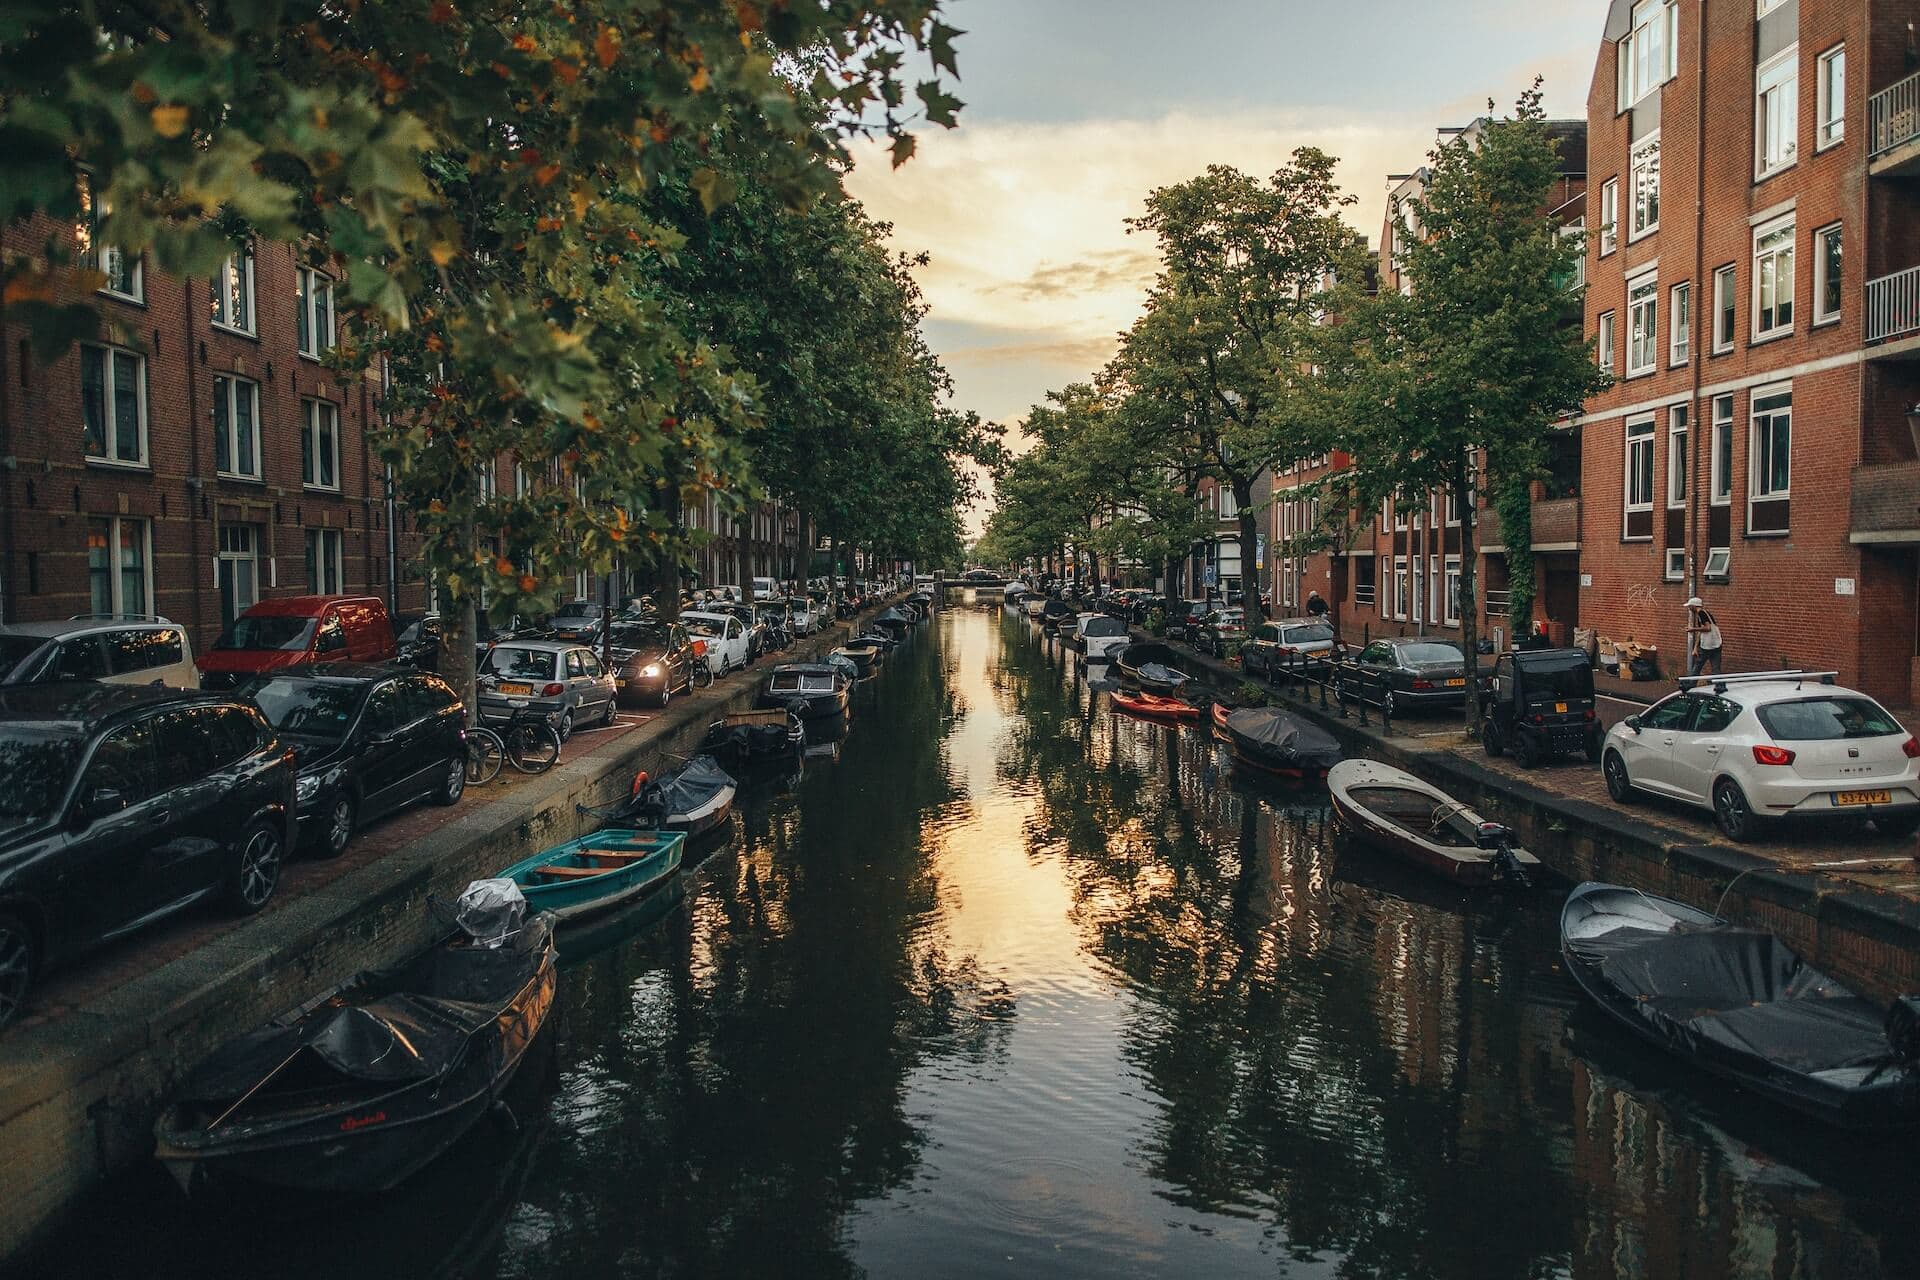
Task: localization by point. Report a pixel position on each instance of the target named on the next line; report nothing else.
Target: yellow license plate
(1862, 797)
(1457, 684)
(516, 690)
(619, 684)
(1559, 708)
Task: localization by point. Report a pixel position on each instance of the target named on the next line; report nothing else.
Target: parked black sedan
(367, 740)
(421, 639)
(1412, 671)
(652, 660)
(126, 803)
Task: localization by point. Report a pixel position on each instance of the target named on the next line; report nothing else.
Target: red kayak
(1155, 706)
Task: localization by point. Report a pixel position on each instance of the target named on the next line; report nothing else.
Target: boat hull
(578, 898)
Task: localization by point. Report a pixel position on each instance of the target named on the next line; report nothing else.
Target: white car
(1754, 748)
(724, 636)
(806, 615)
(765, 589)
(116, 648)
(1102, 637)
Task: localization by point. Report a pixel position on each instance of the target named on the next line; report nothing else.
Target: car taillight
(553, 691)
(1764, 753)
(1422, 684)
(1589, 714)
(1912, 747)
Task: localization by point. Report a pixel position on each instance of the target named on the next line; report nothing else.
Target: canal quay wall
(79, 1093)
(1865, 935)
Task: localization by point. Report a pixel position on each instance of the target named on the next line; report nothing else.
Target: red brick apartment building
(1754, 284)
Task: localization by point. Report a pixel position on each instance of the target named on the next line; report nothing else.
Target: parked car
(580, 621)
(488, 634)
(759, 642)
(290, 630)
(1221, 632)
(651, 660)
(1184, 618)
(367, 741)
(118, 650)
(805, 615)
(124, 804)
(1540, 704)
(1411, 671)
(1768, 746)
(725, 636)
(765, 589)
(561, 681)
(421, 640)
(1292, 644)
(772, 614)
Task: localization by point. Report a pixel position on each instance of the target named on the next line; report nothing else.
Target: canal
(1007, 985)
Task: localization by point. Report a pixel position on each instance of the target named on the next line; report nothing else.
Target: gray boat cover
(1283, 739)
(675, 795)
(1155, 673)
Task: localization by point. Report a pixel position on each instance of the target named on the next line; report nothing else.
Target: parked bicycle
(528, 741)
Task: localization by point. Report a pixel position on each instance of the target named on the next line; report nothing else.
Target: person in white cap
(1703, 637)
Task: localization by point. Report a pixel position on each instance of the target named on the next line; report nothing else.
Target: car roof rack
(118, 617)
(1720, 683)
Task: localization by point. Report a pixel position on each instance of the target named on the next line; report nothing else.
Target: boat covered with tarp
(1278, 742)
(741, 737)
(809, 689)
(1423, 824)
(1741, 1004)
(695, 799)
(366, 1086)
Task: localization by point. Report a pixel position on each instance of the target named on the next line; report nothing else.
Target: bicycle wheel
(485, 753)
(702, 675)
(533, 746)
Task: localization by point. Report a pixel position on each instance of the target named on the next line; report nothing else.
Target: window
(326, 562)
(1603, 342)
(1648, 53)
(1609, 216)
(1772, 446)
(1680, 341)
(1400, 586)
(124, 277)
(1768, 6)
(1576, 277)
(233, 293)
(1645, 215)
(1640, 465)
(1677, 456)
(1453, 591)
(113, 405)
(1229, 508)
(314, 321)
(1720, 483)
(236, 570)
(1773, 280)
(319, 445)
(1723, 309)
(1643, 326)
(1777, 113)
(117, 559)
(1831, 126)
(1719, 562)
(1434, 601)
(1827, 275)
(236, 417)
(1676, 563)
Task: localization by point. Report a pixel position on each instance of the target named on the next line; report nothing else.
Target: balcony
(1893, 130)
(1893, 307)
(1556, 524)
(1886, 504)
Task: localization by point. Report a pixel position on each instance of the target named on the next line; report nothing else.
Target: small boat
(695, 800)
(746, 736)
(1424, 825)
(1155, 678)
(810, 689)
(1269, 740)
(863, 657)
(1154, 706)
(598, 872)
(1141, 653)
(894, 620)
(1055, 613)
(1742, 1005)
(365, 1087)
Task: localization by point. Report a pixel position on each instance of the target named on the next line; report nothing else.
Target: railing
(1893, 116)
(1893, 305)
(1499, 603)
(1365, 595)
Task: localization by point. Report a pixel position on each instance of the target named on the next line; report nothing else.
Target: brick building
(1754, 284)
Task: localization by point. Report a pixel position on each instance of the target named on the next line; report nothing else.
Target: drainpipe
(393, 538)
(196, 478)
(8, 588)
(1698, 424)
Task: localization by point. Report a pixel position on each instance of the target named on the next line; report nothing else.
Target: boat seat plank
(619, 855)
(572, 873)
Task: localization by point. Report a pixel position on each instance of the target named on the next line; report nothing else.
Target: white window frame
(326, 562)
(225, 553)
(1720, 453)
(1435, 603)
(1400, 588)
(109, 400)
(1830, 80)
(1822, 277)
(1719, 564)
(1640, 431)
(1726, 298)
(235, 276)
(1229, 506)
(1577, 229)
(1643, 325)
(1649, 54)
(1605, 339)
(1762, 260)
(1765, 7)
(1676, 564)
(1756, 482)
(313, 415)
(117, 527)
(1680, 329)
(1644, 188)
(109, 260)
(1776, 132)
(228, 389)
(313, 304)
(1679, 427)
(1452, 589)
(1609, 216)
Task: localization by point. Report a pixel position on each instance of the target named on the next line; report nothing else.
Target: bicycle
(528, 741)
(485, 754)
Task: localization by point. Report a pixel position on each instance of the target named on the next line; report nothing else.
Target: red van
(294, 629)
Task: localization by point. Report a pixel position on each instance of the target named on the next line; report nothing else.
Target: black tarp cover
(1157, 674)
(1277, 736)
(892, 614)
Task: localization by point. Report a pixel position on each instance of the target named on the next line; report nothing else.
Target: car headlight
(307, 787)
(651, 670)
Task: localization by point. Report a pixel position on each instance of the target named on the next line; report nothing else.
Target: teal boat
(597, 872)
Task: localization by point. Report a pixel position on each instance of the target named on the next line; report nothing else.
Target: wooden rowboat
(1424, 825)
(1153, 706)
(597, 872)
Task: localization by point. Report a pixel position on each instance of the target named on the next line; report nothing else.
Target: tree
(1478, 360)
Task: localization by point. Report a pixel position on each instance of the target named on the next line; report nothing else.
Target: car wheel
(1619, 785)
(1734, 814)
(666, 691)
(340, 823)
(16, 966)
(1900, 826)
(453, 782)
(1490, 739)
(256, 871)
(565, 727)
(1526, 749)
(613, 709)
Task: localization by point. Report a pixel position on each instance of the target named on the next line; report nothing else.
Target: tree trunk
(1093, 569)
(743, 556)
(1249, 546)
(463, 632)
(1469, 591)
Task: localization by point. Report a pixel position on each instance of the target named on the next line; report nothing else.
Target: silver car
(564, 682)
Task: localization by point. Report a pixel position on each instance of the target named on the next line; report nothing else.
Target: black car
(367, 741)
(126, 803)
(579, 621)
(421, 639)
(1539, 704)
(1184, 618)
(1412, 671)
(652, 660)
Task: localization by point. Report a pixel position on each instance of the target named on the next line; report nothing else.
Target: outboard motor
(1498, 839)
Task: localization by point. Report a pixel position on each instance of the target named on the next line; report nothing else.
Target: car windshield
(1562, 680)
(1316, 634)
(1825, 718)
(703, 626)
(37, 764)
(525, 664)
(644, 635)
(15, 650)
(1100, 628)
(310, 708)
(1426, 653)
(411, 635)
(577, 613)
(276, 632)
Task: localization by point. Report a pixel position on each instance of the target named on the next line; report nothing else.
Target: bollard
(1386, 712)
(1363, 712)
(1323, 690)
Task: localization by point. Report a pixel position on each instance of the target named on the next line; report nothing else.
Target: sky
(1075, 109)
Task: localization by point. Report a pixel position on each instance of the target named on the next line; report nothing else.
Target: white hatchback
(1772, 745)
(725, 639)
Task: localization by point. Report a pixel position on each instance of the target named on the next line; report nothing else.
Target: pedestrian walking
(1316, 607)
(1703, 639)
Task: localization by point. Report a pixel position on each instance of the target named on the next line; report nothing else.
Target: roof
(51, 630)
(343, 671)
(543, 646)
(305, 606)
(706, 614)
(82, 701)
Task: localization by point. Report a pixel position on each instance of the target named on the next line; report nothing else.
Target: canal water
(1005, 984)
